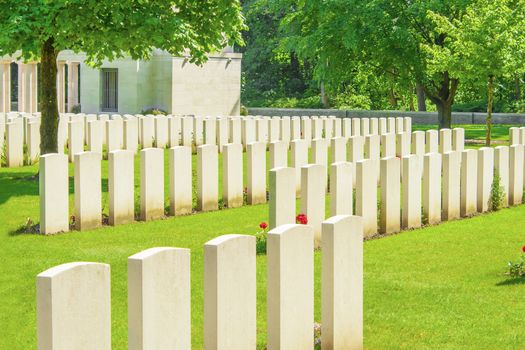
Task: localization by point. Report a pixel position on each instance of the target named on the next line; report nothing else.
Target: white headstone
(121, 187)
(180, 180)
(151, 184)
(207, 177)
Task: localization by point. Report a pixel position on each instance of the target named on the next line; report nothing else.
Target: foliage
(317, 336)
(108, 30)
(517, 269)
(76, 109)
(154, 111)
(497, 193)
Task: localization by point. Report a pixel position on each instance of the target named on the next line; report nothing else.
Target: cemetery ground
(437, 287)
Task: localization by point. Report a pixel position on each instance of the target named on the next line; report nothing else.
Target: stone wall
(417, 117)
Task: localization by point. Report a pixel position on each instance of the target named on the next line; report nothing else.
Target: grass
(440, 287)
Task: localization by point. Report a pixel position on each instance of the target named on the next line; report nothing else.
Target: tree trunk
(490, 102)
(443, 97)
(324, 97)
(48, 98)
(392, 99)
(444, 109)
(517, 89)
(420, 92)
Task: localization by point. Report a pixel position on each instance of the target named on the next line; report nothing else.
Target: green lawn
(440, 287)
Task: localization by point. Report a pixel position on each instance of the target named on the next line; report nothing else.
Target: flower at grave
(263, 225)
(523, 249)
(260, 239)
(301, 219)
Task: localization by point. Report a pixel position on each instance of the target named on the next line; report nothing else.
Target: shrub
(497, 194)
(154, 111)
(76, 109)
(517, 269)
(244, 111)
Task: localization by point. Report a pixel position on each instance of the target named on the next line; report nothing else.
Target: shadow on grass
(511, 281)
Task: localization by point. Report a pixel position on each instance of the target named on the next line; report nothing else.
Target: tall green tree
(108, 29)
(488, 44)
(387, 35)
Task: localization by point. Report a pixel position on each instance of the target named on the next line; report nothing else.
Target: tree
(108, 29)
(488, 44)
(387, 35)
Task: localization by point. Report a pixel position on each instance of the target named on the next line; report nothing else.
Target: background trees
(107, 29)
(397, 54)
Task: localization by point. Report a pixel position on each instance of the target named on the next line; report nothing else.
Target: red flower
(263, 225)
(523, 249)
(301, 219)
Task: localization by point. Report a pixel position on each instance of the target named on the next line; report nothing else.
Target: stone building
(172, 84)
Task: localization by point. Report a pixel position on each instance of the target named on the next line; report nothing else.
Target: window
(109, 90)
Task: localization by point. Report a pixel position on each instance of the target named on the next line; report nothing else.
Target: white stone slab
(121, 187)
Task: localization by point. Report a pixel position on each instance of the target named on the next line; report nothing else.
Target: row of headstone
(74, 300)
(92, 132)
(121, 180)
(413, 190)
(87, 180)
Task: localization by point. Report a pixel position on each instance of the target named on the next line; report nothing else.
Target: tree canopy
(108, 29)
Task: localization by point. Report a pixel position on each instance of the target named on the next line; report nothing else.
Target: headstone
(207, 177)
(374, 126)
(338, 127)
(400, 121)
(317, 129)
(469, 182)
(180, 180)
(94, 138)
(451, 185)
(356, 127)
(147, 131)
(445, 141)
(121, 187)
(230, 287)
(151, 184)
(390, 195)
(278, 154)
(290, 271)
(432, 187)
(328, 128)
(320, 152)
(355, 151)
(388, 145)
(338, 149)
(306, 128)
(516, 174)
(295, 131)
(299, 154)
(75, 140)
(222, 132)
(282, 197)
(187, 131)
(411, 185)
(285, 129)
(88, 191)
(161, 132)
(458, 139)
(313, 184)
(262, 130)
(274, 132)
(403, 144)
(131, 132)
(485, 174)
(248, 131)
(341, 191)
(174, 130)
(347, 127)
(514, 136)
(431, 141)
(235, 134)
(365, 126)
(114, 135)
(232, 180)
(198, 131)
(73, 307)
(54, 193)
(407, 124)
(391, 125)
(33, 141)
(342, 283)
(366, 196)
(159, 299)
(383, 126)
(256, 172)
